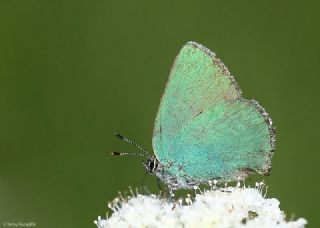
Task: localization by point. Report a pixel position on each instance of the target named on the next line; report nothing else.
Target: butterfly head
(151, 165)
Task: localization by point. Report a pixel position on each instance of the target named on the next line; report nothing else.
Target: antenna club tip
(116, 153)
(118, 135)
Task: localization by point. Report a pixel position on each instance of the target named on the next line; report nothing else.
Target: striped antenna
(132, 143)
(128, 153)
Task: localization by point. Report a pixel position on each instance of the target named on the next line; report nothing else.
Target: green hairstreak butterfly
(204, 129)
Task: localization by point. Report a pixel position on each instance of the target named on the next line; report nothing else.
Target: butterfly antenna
(130, 154)
(132, 143)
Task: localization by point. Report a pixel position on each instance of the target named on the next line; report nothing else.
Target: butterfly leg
(159, 184)
(143, 178)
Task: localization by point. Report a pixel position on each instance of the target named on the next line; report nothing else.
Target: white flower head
(217, 207)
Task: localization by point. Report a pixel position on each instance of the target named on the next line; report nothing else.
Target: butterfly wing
(197, 81)
(188, 129)
(226, 142)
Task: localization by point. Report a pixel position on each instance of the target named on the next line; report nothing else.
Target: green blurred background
(74, 72)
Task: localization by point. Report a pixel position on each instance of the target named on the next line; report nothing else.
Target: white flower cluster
(223, 207)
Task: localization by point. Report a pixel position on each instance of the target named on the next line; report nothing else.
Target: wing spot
(198, 113)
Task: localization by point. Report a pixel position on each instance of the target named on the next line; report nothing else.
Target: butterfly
(204, 129)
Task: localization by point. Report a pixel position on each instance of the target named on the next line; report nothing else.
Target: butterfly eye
(151, 166)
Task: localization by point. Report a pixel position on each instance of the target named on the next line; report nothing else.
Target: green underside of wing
(197, 81)
(224, 141)
(204, 129)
